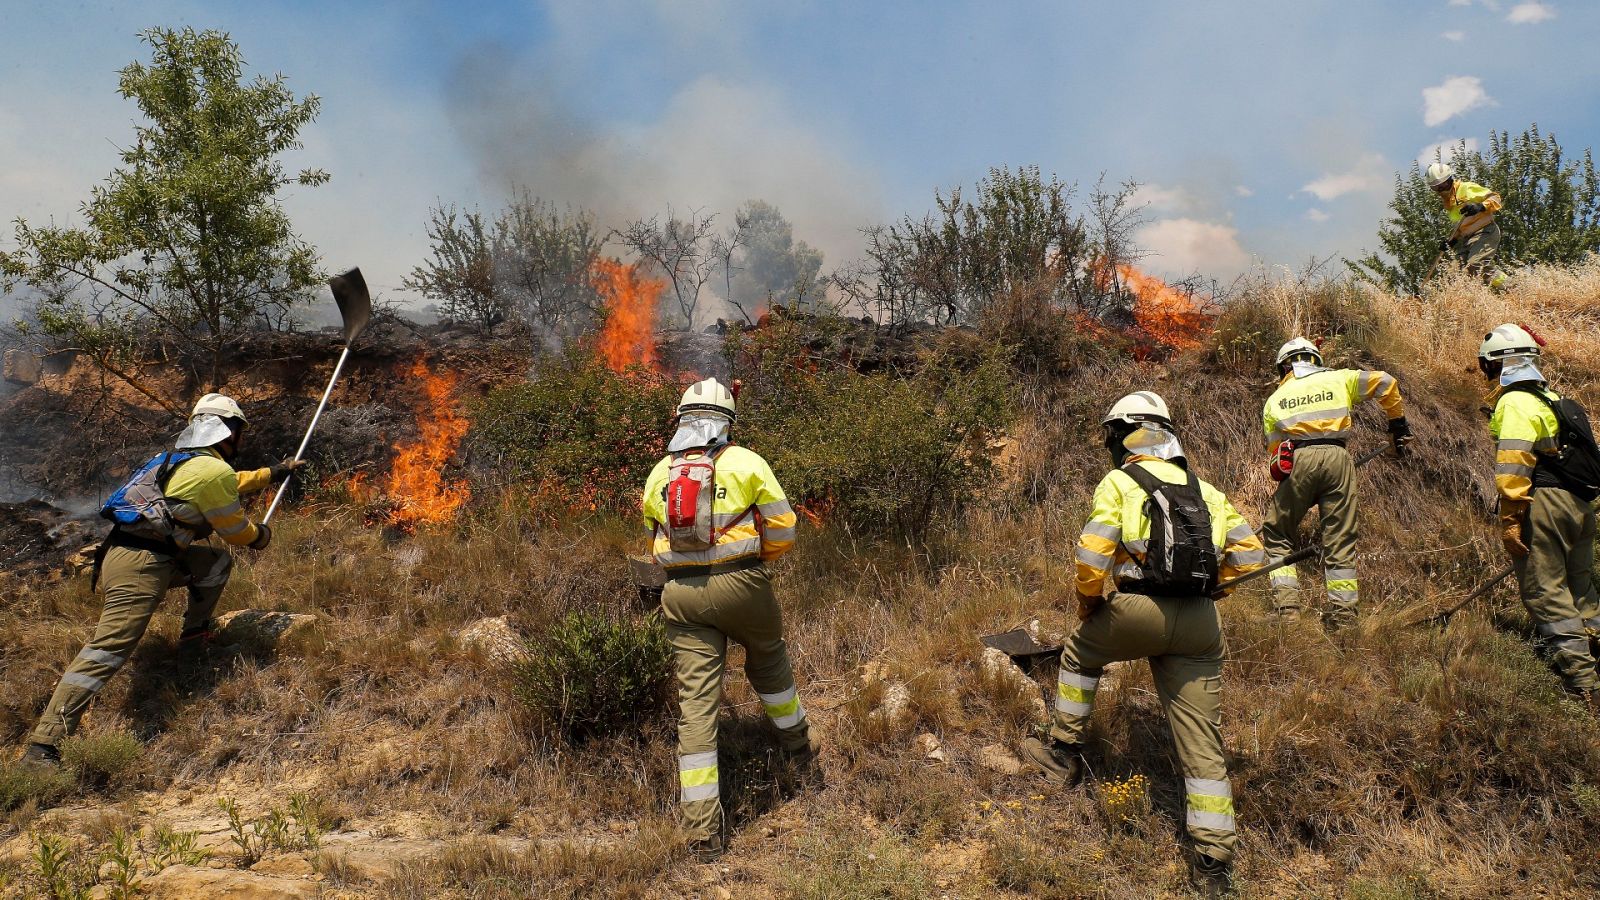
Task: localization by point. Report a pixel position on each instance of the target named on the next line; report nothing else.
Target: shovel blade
(355, 304)
(1018, 644)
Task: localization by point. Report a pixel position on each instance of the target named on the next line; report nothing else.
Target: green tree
(185, 246)
(1551, 214)
(771, 267)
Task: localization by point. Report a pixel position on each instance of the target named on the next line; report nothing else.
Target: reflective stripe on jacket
(1467, 192)
(748, 498)
(1320, 404)
(203, 496)
(1525, 428)
(1118, 531)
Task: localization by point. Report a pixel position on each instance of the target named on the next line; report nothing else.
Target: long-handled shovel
(1443, 618)
(355, 307)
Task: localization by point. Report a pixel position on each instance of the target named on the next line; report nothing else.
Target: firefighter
(1150, 613)
(1308, 421)
(1475, 239)
(161, 519)
(717, 517)
(1547, 518)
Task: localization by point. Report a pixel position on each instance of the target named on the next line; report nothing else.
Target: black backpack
(1576, 466)
(1182, 559)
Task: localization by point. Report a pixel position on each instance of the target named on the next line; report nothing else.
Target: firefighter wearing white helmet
(1547, 479)
(1308, 420)
(1475, 237)
(716, 517)
(161, 520)
(1157, 542)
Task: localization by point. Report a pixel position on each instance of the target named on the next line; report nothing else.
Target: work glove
(263, 536)
(1399, 435)
(1471, 209)
(1087, 605)
(286, 468)
(1445, 244)
(1513, 514)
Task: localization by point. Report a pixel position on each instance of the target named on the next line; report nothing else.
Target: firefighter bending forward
(1177, 630)
(715, 543)
(161, 520)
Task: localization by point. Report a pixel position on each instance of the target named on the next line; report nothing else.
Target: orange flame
(628, 336)
(1163, 313)
(416, 487)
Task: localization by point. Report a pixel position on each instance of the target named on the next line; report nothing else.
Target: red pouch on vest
(1283, 461)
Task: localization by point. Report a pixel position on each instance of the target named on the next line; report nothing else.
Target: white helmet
(1506, 340)
(1298, 347)
(1438, 174)
(708, 396)
(1138, 407)
(219, 405)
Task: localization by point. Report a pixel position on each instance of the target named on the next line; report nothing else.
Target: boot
(1060, 763)
(195, 641)
(41, 756)
(806, 765)
(1287, 614)
(1212, 877)
(708, 849)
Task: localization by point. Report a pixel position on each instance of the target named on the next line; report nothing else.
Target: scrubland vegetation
(943, 498)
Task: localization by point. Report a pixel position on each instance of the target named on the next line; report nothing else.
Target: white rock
(261, 628)
(997, 758)
(997, 666)
(495, 639)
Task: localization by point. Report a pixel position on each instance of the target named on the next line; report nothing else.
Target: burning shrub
(578, 430)
(593, 674)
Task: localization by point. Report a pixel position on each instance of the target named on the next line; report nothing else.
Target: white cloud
(1444, 150)
(1460, 2)
(1372, 172)
(1457, 36)
(1182, 247)
(1454, 96)
(1317, 215)
(1159, 198)
(1242, 191)
(1530, 13)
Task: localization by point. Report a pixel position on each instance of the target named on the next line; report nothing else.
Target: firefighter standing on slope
(161, 520)
(1547, 517)
(1475, 239)
(1308, 421)
(1171, 621)
(716, 517)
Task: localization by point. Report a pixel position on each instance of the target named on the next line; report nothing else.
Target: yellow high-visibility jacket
(1117, 535)
(1467, 192)
(203, 496)
(748, 498)
(1525, 428)
(1319, 405)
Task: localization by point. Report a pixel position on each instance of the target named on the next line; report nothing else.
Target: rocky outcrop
(195, 883)
(262, 630)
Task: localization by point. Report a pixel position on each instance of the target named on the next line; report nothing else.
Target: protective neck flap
(1302, 369)
(204, 430)
(698, 431)
(1519, 368)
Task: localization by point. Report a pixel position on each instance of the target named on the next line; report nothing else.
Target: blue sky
(1266, 133)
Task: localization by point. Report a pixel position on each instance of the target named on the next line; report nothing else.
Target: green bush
(577, 433)
(21, 784)
(593, 674)
(882, 452)
(101, 759)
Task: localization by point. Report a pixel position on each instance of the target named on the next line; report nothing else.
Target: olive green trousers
(702, 614)
(1556, 583)
(1477, 251)
(1323, 476)
(1182, 639)
(134, 581)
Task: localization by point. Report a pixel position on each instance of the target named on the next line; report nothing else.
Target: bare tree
(684, 251)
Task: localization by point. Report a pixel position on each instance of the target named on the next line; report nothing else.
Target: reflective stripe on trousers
(1210, 803)
(697, 773)
(1075, 693)
(783, 708)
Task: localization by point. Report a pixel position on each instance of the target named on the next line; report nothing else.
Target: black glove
(1445, 244)
(1399, 435)
(263, 536)
(1471, 209)
(286, 468)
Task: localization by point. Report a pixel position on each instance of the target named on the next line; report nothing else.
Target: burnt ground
(39, 541)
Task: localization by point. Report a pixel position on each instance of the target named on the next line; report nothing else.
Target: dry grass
(1393, 762)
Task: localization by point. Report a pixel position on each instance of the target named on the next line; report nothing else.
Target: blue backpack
(140, 506)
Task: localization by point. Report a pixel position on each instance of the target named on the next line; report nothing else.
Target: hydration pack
(1182, 559)
(1576, 466)
(691, 499)
(140, 506)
